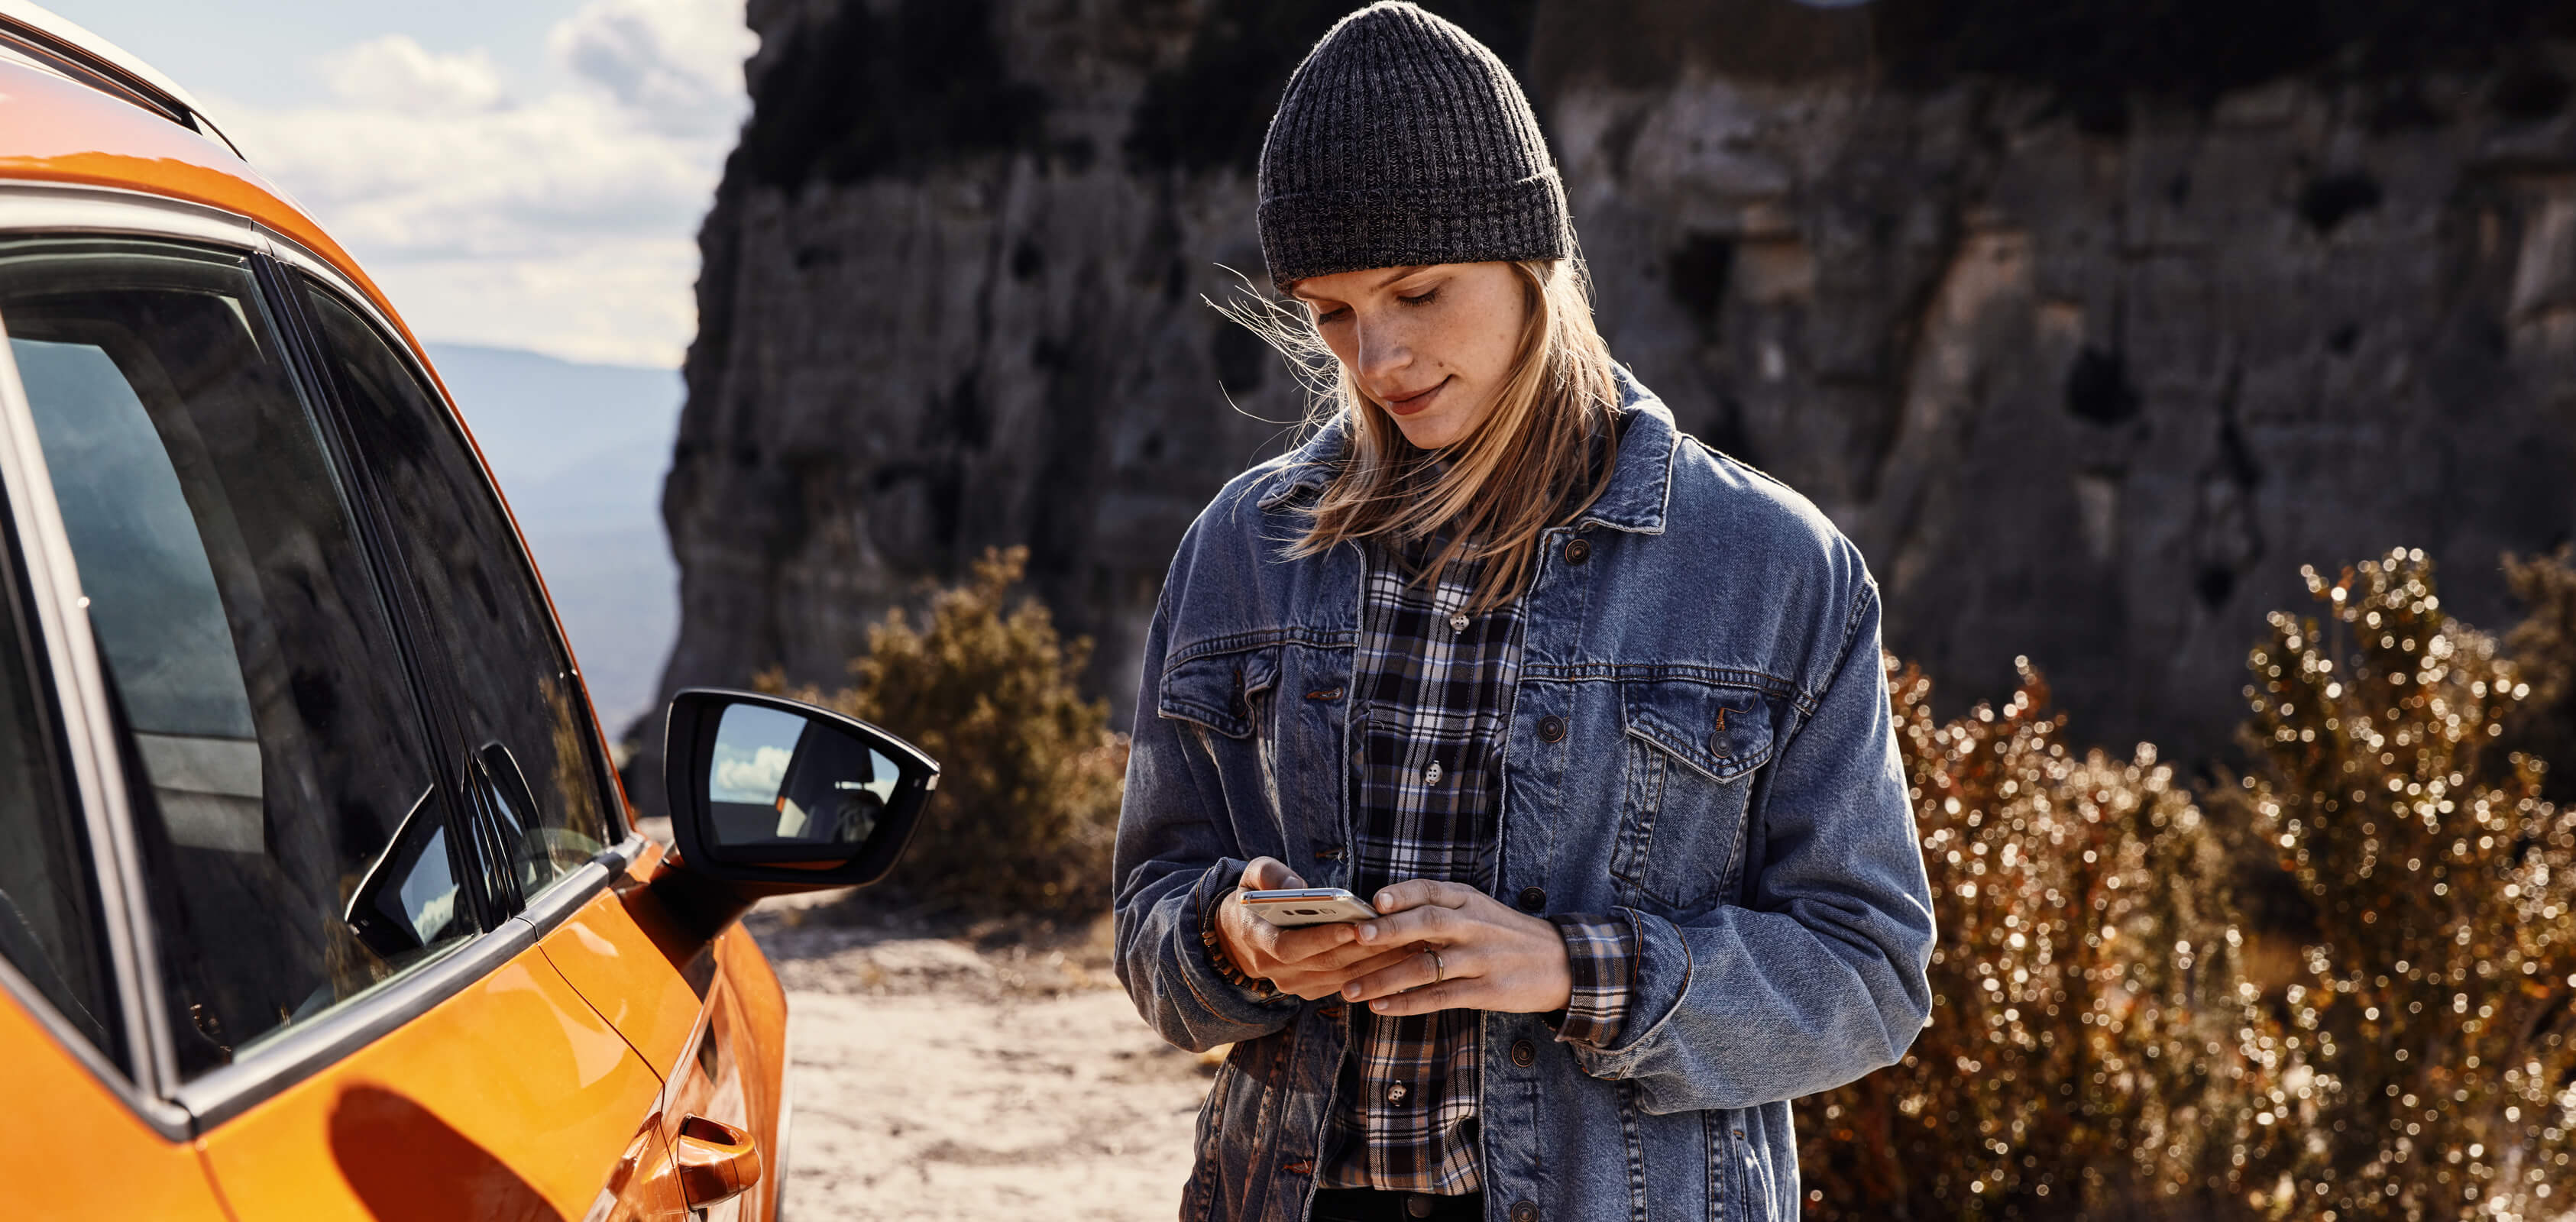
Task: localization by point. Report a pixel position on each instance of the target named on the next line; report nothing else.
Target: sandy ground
(973, 1077)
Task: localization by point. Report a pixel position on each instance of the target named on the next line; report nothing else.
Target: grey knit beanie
(1402, 140)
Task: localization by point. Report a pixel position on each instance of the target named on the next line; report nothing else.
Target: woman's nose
(1384, 352)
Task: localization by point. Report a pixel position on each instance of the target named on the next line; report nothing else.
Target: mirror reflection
(407, 900)
(778, 779)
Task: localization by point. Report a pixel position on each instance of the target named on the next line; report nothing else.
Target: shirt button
(1524, 1054)
(1533, 899)
(1524, 1211)
(1551, 729)
(1576, 552)
(1396, 1091)
(1431, 775)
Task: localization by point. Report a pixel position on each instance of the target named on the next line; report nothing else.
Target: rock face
(2088, 349)
(2088, 375)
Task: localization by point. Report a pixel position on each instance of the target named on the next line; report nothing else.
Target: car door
(524, 729)
(339, 993)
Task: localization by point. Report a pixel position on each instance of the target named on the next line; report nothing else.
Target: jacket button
(1524, 1054)
(1551, 729)
(1524, 1211)
(1576, 552)
(1533, 899)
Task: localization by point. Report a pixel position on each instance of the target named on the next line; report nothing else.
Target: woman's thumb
(1269, 874)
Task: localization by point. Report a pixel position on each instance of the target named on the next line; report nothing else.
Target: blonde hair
(1527, 466)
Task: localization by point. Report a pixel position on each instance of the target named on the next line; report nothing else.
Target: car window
(276, 760)
(50, 921)
(528, 722)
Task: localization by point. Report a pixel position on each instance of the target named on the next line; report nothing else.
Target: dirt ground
(980, 1073)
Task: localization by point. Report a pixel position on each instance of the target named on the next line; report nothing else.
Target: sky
(517, 173)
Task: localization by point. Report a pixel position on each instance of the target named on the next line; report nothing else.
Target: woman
(1591, 714)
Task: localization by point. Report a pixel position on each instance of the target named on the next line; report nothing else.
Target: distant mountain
(580, 451)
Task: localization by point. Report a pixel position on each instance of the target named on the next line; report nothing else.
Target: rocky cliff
(2089, 330)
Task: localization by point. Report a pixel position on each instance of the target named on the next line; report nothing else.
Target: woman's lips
(1418, 400)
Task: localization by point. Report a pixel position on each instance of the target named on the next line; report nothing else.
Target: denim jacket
(1700, 735)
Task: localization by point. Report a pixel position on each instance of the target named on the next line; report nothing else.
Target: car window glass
(50, 922)
(274, 746)
(528, 721)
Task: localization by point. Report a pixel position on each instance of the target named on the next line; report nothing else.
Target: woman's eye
(1424, 299)
(1332, 316)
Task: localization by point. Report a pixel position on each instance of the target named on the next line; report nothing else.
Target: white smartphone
(1307, 906)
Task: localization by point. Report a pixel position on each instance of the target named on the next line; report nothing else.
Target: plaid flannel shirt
(1430, 698)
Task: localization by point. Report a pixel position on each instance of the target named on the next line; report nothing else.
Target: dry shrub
(2543, 649)
(1030, 777)
(2434, 1005)
(2086, 1051)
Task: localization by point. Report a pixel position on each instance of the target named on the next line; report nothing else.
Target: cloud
(562, 221)
(396, 73)
(755, 779)
(677, 61)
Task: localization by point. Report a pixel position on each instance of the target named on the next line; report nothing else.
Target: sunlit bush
(2092, 1039)
(1027, 807)
(2434, 1000)
(2543, 649)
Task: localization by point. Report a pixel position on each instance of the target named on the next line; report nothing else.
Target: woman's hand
(1313, 962)
(1488, 957)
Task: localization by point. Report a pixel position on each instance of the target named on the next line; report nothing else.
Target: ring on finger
(1438, 972)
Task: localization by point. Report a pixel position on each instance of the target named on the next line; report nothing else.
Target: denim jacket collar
(1635, 501)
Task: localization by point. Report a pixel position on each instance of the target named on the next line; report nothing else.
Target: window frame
(72, 687)
(603, 777)
(68, 689)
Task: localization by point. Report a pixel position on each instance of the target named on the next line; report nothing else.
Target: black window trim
(468, 849)
(151, 1086)
(292, 257)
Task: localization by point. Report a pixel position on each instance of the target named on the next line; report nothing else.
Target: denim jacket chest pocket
(1225, 692)
(1692, 751)
(1231, 700)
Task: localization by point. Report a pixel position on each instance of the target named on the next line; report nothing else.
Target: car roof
(75, 111)
(80, 53)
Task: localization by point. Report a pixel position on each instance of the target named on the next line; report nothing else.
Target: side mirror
(767, 790)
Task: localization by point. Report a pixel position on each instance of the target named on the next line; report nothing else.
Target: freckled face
(1432, 345)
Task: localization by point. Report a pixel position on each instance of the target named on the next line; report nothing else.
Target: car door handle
(717, 1161)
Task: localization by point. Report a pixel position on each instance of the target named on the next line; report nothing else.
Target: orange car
(318, 898)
